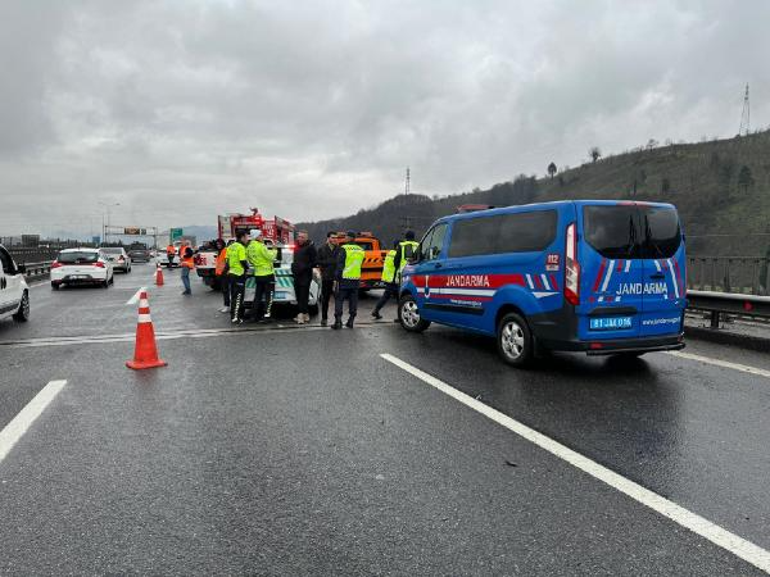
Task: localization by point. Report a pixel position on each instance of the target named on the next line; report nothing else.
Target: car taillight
(56, 264)
(571, 268)
(99, 264)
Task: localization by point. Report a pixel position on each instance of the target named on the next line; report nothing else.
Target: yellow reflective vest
(389, 268)
(354, 258)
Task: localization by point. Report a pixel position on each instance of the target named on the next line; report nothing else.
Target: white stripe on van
(628, 265)
(546, 284)
(673, 277)
(529, 282)
(608, 276)
(657, 265)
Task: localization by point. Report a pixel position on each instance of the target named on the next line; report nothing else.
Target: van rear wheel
(514, 340)
(409, 315)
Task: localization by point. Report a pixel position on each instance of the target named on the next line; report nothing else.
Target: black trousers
(302, 290)
(346, 294)
(224, 282)
(237, 288)
(391, 291)
(263, 296)
(327, 290)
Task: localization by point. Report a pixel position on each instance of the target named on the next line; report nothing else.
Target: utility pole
(745, 115)
(408, 183)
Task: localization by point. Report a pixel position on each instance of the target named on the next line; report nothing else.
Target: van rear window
(632, 231)
(503, 233)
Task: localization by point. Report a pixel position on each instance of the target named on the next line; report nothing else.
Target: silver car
(118, 257)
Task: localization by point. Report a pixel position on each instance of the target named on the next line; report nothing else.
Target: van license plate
(610, 323)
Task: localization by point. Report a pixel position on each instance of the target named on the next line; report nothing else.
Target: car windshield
(78, 257)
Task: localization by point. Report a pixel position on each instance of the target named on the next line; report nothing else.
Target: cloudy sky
(182, 109)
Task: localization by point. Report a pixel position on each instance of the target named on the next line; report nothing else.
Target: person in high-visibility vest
(262, 262)
(407, 248)
(170, 254)
(186, 253)
(389, 278)
(221, 273)
(236, 269)
(348, 283)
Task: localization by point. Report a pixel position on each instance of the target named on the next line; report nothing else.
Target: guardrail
(729, 274)
(36, 270)
(719, 303)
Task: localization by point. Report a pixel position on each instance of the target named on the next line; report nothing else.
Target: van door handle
(658, 276)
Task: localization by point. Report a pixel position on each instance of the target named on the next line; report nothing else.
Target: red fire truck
(278, 231)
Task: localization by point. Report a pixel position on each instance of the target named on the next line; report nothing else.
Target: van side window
(7, 262)
(503, 233)
(433, 243)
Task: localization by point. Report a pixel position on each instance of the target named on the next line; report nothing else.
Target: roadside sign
(175, 234)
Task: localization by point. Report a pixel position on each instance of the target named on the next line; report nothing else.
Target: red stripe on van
(554, 284)
(600, 275)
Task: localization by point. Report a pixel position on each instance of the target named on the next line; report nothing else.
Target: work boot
(349, 324)
(337, 325)
(307, 317)
(376, 315)
(324, 322)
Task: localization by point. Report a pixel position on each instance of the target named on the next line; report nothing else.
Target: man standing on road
(389, 278)
(305, 258)
(186, 253)
(348, 274)
(222, 276)
(170, 254)
(262, 262)
(237, 265)
(327, 262)
(406, 249)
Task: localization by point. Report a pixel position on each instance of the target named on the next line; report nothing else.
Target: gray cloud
(181, 109)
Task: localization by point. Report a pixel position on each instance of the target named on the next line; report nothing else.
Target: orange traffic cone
(145, 352)
(158, 276)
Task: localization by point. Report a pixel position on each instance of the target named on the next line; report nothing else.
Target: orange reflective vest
(186, 261)
(221, 262)
(170, 249)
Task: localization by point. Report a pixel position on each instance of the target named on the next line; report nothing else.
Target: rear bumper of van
(596, 348)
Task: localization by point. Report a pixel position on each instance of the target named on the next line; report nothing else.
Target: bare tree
(595, 153)
(552, 169)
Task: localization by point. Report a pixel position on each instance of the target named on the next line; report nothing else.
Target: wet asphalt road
(301, 451)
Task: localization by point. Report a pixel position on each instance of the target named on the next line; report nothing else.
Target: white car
(119, 258)
(284, 285)
(81, 266)
(14, 292)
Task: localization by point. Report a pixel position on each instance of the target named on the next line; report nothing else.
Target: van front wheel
(409, 315)
(514, 340)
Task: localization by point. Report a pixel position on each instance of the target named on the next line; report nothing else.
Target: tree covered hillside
(721, 187)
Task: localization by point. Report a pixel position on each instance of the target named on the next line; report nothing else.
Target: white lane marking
(15, 430)
(721, 537)
(134, 299)
(719, 363)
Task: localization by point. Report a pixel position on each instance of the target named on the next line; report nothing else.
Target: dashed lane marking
(719, 363)
(719, 536)
(15, 430)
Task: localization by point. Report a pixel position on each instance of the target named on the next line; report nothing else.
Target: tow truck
(277, 232)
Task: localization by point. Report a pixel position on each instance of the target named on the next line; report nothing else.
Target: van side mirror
(21, 269)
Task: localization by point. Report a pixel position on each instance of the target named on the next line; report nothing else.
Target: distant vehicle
(139, 253)
(75, 266)
(161, 256)
(602, 277)
(118, 257)
(14, 292)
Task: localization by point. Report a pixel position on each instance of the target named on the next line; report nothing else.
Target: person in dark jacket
(327, 262)
(305, 260)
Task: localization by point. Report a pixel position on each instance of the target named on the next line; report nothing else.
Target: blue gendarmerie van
(602, 277)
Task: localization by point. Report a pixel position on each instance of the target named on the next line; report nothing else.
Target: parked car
(601, 277)
(139, 254)
(75, 266)
(118, 257)
(14, 292)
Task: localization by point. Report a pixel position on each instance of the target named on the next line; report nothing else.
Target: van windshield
(631, 231)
